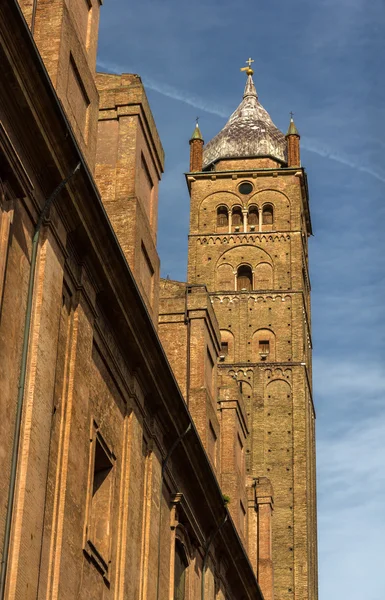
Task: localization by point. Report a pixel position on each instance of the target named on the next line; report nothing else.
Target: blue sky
(324, 61)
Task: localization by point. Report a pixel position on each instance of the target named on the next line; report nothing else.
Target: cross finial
(196, 120)
(248, 69)
(291, 115)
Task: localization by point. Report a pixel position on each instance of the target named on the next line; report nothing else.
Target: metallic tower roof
(249, 132)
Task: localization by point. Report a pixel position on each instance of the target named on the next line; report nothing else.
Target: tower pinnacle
(293, 147)
(196, 149)
(197, 132)
(292, 128)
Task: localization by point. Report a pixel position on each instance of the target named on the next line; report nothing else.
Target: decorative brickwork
(255, 268)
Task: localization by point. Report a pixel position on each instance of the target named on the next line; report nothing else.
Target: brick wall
(66, 34)
(129, 165)
(266, 327)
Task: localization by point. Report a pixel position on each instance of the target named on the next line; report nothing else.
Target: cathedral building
(156, 436)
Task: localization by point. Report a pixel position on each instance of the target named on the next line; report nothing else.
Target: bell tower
(248, 243)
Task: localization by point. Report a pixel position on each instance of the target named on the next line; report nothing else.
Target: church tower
(248, 243)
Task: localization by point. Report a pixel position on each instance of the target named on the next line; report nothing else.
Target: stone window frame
(100, 561)
(180, 552)
(7, 201)
(188, 536)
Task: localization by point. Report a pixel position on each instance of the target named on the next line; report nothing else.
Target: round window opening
(245, 188)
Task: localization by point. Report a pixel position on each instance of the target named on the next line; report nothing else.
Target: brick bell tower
(248, 243)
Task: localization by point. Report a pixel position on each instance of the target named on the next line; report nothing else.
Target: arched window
(244, 278)
(222, 216)
(253, 218)
(236, 218)
(180, 572)
(267, 215)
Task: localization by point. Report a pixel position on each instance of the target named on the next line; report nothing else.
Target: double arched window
(244, 278)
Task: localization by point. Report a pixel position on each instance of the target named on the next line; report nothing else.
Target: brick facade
(114, 473)
(250, 251)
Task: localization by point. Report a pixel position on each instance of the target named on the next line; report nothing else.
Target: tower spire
(293, 147)
(250, 90)
(292, 128)
(196, 149)
(197, 132)
(249, 132)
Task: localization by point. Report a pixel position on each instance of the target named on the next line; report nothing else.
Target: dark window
(179, 572)
(244, 278)
(224, 348)
(267, 215)
(237, 217)
(101, 499)
(253, 216)
(264, 347)
(245, 188)
(209, 368)
(222, 216)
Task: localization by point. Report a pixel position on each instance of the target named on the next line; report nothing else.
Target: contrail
(341, 158)
(220, 111)
(171, 92)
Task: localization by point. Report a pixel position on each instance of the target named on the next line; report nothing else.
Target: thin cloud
(219, 111)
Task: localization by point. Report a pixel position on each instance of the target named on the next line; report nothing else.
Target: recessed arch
(221, 197)
(225, 278)
(255, 255)
(281, 208)
(264, 345)
(227, 346)
(263, 276)
(269, 195)
(207, 208)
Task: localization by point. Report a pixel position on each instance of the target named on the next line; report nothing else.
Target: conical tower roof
(292, 128)
(249, 132)
(196, 133)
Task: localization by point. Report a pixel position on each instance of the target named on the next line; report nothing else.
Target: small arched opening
(244, 278)
(227, 346)
(263, 345)
(236, 218)
(253, 218)
(222, 218)
(267, 214)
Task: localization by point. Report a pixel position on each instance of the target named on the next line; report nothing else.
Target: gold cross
(248, 69)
